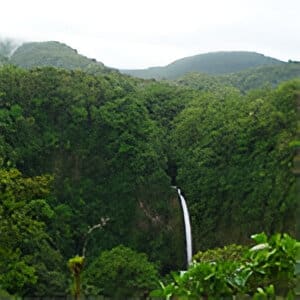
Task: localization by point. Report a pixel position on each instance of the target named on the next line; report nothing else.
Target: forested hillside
(55, 54)
(87, 163)
(234, 157)
(100, 155)
(254, 78)
(210, 63)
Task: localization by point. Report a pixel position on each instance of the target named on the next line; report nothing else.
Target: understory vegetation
(263, 271)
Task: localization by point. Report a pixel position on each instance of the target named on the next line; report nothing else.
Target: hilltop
(214, 63)
(243, 64)
(56, 54)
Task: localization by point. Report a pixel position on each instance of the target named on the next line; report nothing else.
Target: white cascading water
(187, 226)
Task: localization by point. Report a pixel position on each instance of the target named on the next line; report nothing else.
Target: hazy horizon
(141, 34)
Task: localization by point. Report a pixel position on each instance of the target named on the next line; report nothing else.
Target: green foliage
(265, 294)
(227, 253)
(261, 77)
(164, 102)
(272, 262)
(266, 270)
(121, 273)
(75, 265)
(202, 82)
(23, 215)
(201, 281)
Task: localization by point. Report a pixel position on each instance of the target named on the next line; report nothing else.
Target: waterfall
(187, 226)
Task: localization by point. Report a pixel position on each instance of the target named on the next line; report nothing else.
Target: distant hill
(264, 75)
(56, 54)
(244, 70)
(210, 63)
(253, 78)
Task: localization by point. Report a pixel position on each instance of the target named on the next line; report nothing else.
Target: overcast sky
(142, 33)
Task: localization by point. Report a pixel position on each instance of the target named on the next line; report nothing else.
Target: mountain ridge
(214, 63)
(55, 54)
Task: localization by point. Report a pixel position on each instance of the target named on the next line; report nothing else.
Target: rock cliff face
(164, 231)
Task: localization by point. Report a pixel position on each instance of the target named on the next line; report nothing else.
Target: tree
(23, 237)
(75, 265)
(121, 273)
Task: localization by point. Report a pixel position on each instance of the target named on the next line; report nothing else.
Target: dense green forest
(253, 78)
(87, 162)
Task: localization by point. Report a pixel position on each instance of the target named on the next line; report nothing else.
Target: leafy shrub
(227, 253)
(121, 273)
(263, 271)
(205, 280)
(272, 262)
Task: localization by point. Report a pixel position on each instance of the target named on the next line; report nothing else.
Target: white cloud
(139, 33)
